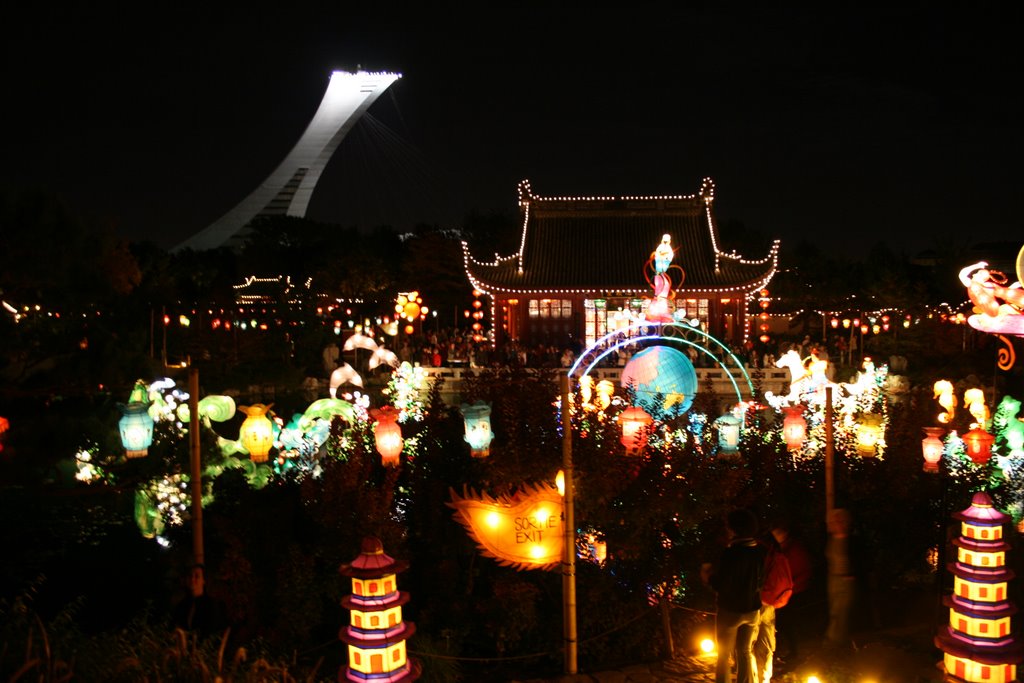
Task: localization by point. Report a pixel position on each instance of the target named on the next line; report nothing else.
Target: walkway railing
(773, 379)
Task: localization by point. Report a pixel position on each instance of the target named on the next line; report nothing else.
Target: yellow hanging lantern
(869, 433)
(257, 431)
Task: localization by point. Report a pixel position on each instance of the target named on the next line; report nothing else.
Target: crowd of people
(454, 348)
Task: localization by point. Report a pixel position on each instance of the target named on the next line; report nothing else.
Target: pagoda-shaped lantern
(136, 424)
(978, 444)
(635, 422)
(477, 417)
(932, 448)
(978, 643)
(376, 634)
(257, 431)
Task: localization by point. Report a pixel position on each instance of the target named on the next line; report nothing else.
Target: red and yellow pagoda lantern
(978, 643)
(376, 633)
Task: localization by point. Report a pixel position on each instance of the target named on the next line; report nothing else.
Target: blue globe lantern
(664, 381)
(477, 417)
(136, 425)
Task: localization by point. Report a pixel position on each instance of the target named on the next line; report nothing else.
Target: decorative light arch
(613, 341)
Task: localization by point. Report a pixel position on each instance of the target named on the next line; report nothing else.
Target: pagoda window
(392, 618)
(356, 658)
(983, 592)
(396, 655)
(596, 316)
(983, 627)
(374, 621)
(373, 588)
(376, 664)
(986, 671)
(357, 619)
(962, 626)
(694, 308)
(389, 586)
(550, 308)
(999, 593)
(357, 586)
(984, 533)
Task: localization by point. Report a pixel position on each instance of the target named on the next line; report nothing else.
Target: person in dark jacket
(738, 579)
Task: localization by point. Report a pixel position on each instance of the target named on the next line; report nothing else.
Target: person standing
(738, 579)
(801, 569)
(775, 594)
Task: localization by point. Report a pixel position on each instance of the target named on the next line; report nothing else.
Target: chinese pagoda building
(979, 644)
(376, 633)
(576, 277)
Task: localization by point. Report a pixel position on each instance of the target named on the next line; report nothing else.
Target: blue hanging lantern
(477, 417)
(136, 425)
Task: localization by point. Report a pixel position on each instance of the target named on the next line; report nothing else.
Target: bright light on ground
(813, 679)
(707, 646)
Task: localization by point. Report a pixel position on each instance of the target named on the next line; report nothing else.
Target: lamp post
(197, 483)
(569, 540)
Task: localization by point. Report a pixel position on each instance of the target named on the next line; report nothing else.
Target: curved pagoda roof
(600, 245)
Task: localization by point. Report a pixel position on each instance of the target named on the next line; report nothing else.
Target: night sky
(844, 127)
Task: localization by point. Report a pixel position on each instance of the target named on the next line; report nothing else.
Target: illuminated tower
(376, 633)
(978, 642)
(286, 192)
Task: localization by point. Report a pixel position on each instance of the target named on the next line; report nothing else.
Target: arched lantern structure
(869, 434)
(136, 424)
(932, 448)
(387, 435)
(728, 433)
(978, 444)
(794, 427)
(257, 431)
(635, 422)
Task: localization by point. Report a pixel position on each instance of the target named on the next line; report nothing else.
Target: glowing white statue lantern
(477, 417)
(257, 431)
(136, 424)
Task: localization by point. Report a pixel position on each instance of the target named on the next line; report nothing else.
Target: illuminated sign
(523, 530)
